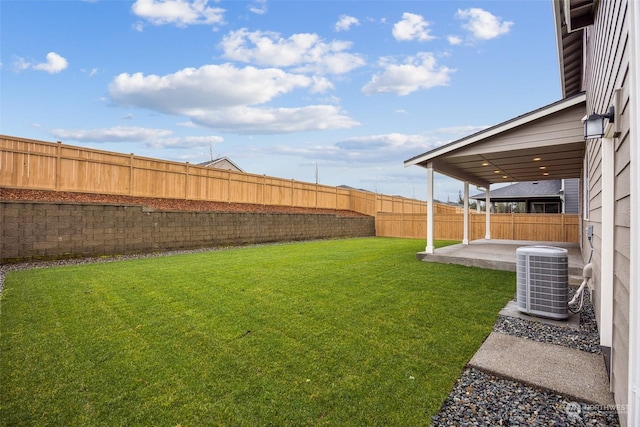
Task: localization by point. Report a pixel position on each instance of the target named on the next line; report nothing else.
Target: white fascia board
(498, 129)
(557, 19)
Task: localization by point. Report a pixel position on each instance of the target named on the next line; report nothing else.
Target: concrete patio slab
(498, 254)
(573, 373)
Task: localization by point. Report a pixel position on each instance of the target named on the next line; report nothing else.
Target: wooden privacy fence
(449, 226)
(40, 165)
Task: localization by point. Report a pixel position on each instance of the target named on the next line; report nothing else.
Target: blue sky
(354, 87)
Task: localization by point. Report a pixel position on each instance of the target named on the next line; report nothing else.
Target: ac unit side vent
(542, 274)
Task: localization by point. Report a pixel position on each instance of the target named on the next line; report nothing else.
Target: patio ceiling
(546, 143)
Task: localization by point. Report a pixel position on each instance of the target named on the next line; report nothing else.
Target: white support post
(487, 213)
(430, 211)
(465, 233)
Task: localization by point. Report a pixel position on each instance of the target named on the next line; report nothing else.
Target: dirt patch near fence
(159, 203)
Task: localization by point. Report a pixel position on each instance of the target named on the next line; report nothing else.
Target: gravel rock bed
(586, 338)
(480, 399)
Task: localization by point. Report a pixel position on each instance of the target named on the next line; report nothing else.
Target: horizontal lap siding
(608, 71)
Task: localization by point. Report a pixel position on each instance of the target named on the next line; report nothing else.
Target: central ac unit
(542, 274)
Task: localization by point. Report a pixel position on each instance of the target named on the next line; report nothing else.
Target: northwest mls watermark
(575, 410)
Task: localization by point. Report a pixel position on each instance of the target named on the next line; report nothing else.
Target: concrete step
(572, 373)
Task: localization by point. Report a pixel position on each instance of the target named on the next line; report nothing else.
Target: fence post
(58, 164)
(131, 159)
(186, 182)
(513, 231)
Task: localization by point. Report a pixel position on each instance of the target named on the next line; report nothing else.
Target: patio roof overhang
(547, 143)
(517, 198)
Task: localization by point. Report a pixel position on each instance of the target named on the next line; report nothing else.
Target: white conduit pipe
(586, 274)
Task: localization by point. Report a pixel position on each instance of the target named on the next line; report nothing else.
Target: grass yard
(345, 333)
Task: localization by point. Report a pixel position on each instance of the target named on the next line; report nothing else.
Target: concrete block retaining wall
(39, 230)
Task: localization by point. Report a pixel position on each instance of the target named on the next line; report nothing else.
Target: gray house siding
(607, 70)
(571, 198)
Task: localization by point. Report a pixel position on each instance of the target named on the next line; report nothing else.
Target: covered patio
(547, 143)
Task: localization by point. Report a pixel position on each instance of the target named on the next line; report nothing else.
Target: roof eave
(537, 196)
(557, 18)
(497, 129)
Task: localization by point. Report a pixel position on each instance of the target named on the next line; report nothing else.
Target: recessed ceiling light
(543, 167)
(485, 163)
(496, 171)
(505, 176)
(546, 173)
(537, 159)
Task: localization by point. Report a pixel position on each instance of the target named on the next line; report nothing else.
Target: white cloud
(20, 64)
(185, 142)
(412, 27)
(156, 138)
(377, 148)
(54, 64)
(417, 73)
(250, 120)
(224, 97)
(482, 24)
(114, 134)
(178, 12)
(306, 52)
(460, 131)
(364, 150)
(191, 90)
(90, 73)
(454, 40)
(345, 22)
(258, 7)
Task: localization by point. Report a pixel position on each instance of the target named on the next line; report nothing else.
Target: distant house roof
(525, 190)
(221, 163)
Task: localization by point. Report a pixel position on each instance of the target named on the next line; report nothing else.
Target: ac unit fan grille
(543, 281)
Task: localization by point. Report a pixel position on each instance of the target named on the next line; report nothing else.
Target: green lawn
(344, 332)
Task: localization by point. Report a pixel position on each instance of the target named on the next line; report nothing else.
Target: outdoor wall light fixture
(594, 124)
